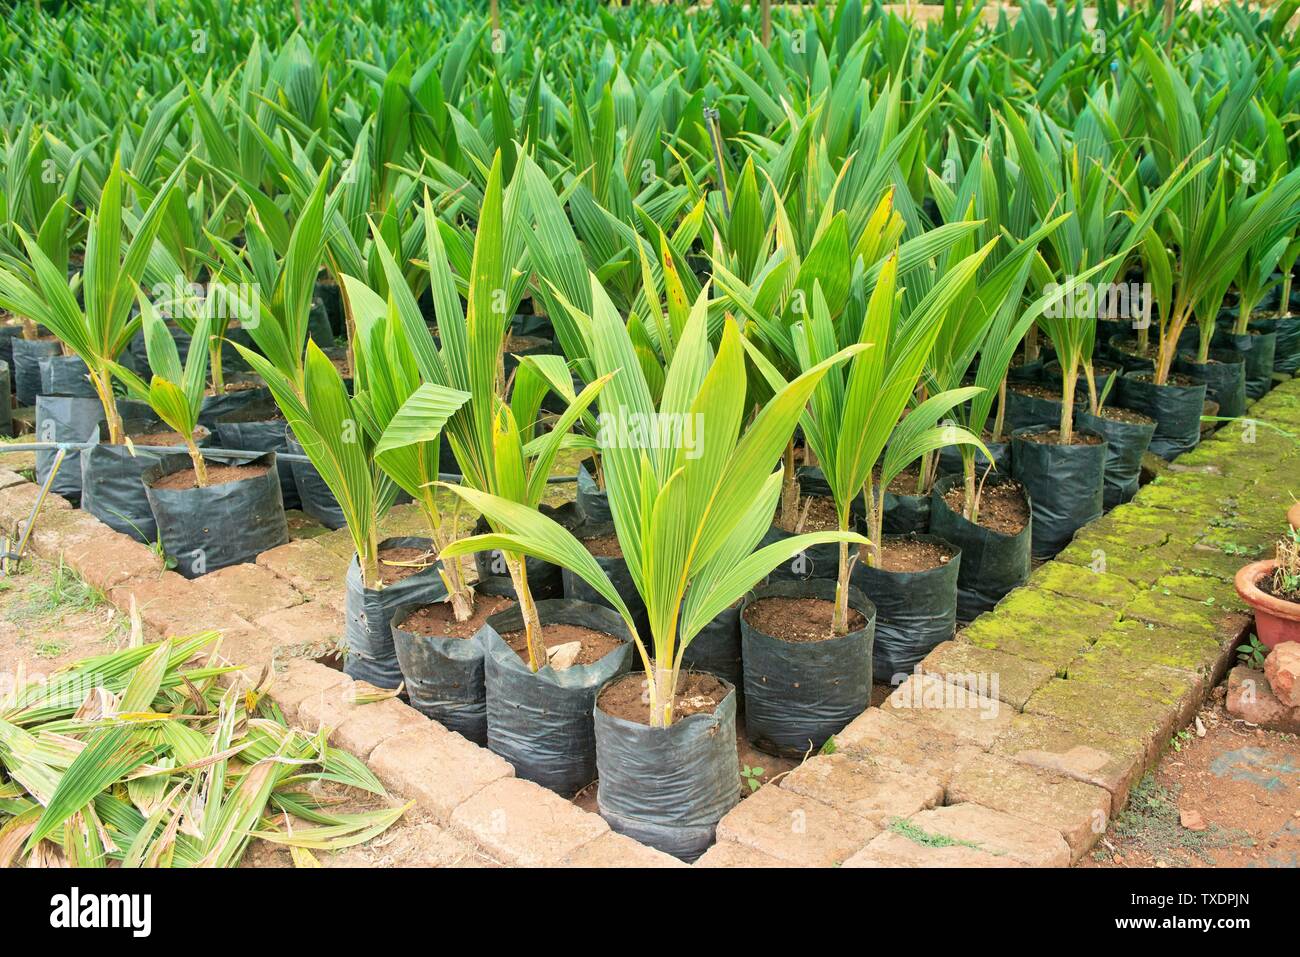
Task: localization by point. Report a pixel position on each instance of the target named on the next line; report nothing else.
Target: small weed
(830, 747)
(752, 776)
(52, 599)
(1181, 739)
(1152, 823)
(923, 837)
(50, 649)
(1252, 653)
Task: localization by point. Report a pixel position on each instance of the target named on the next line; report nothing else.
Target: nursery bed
(1142, 598)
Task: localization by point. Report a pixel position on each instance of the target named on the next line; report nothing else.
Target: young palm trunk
(200, 466)
(1069, 384)
(970, 507)
(101, 379)
(218, 373)
(1205, 333)
(1090, 379)
(662, 693)
(528, 609)
(840, 617)
(875, 520)
(1182, 313)
(459, 594)
(368, 554)
(1000, 418)
(1031, 342)
(1284, 297)
(1244, 311)
(789, 488)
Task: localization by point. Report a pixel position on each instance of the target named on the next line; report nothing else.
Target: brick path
(1013, 746)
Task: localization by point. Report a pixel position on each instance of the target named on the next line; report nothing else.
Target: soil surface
(905, 482)
(815, 513)
(1053, 437)
(909, 555)
(1226, 794)
(524, 343)
(1268, 585)
(166, 438)
(604, 546)
(797, 619)
(236, 386)
(400, 562)
(1175, 378)
(255, 413)
(1117, 414)
(1002, 506)
(627, 698)
(217, 475)
(1130, 347)
(438, 621)
(50, 618)
(1037, 390)
(595, 644)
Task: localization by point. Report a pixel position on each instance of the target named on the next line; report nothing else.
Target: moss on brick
(1059, 611)
(1026, 638)
(1097, 587)
(1206, 589)
(1137, 644)
(1116, 558)
(1160, 606)
(1102, 706)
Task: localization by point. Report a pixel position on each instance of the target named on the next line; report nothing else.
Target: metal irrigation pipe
(16, 556)
(64, 447)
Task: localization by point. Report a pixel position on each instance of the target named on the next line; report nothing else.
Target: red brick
(1078, 811)
(308, 566)
(253, 591)
(795, 829)
(862, 788)
(519, 822)
(895, 850)
(437, 768)
(1011, 838)
(302, 680)
(310, 630)
(618, 850)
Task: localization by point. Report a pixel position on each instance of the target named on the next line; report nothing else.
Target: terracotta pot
(1276, 620)
(1293, 516)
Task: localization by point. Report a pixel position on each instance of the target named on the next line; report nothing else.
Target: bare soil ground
(1227, 794)
(50, 618)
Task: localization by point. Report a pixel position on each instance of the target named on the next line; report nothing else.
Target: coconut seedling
(1212, 223)
(404, 417)
(1257, 273)
(861, 405)
(1095, 183)
(174, 392)
(688, 523)
(37, 205)
(492, 439)
(100, 330)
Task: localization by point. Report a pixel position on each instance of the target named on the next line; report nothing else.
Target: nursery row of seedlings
(847, 351)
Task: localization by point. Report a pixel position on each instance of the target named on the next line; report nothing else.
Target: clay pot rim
(1251, 593)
